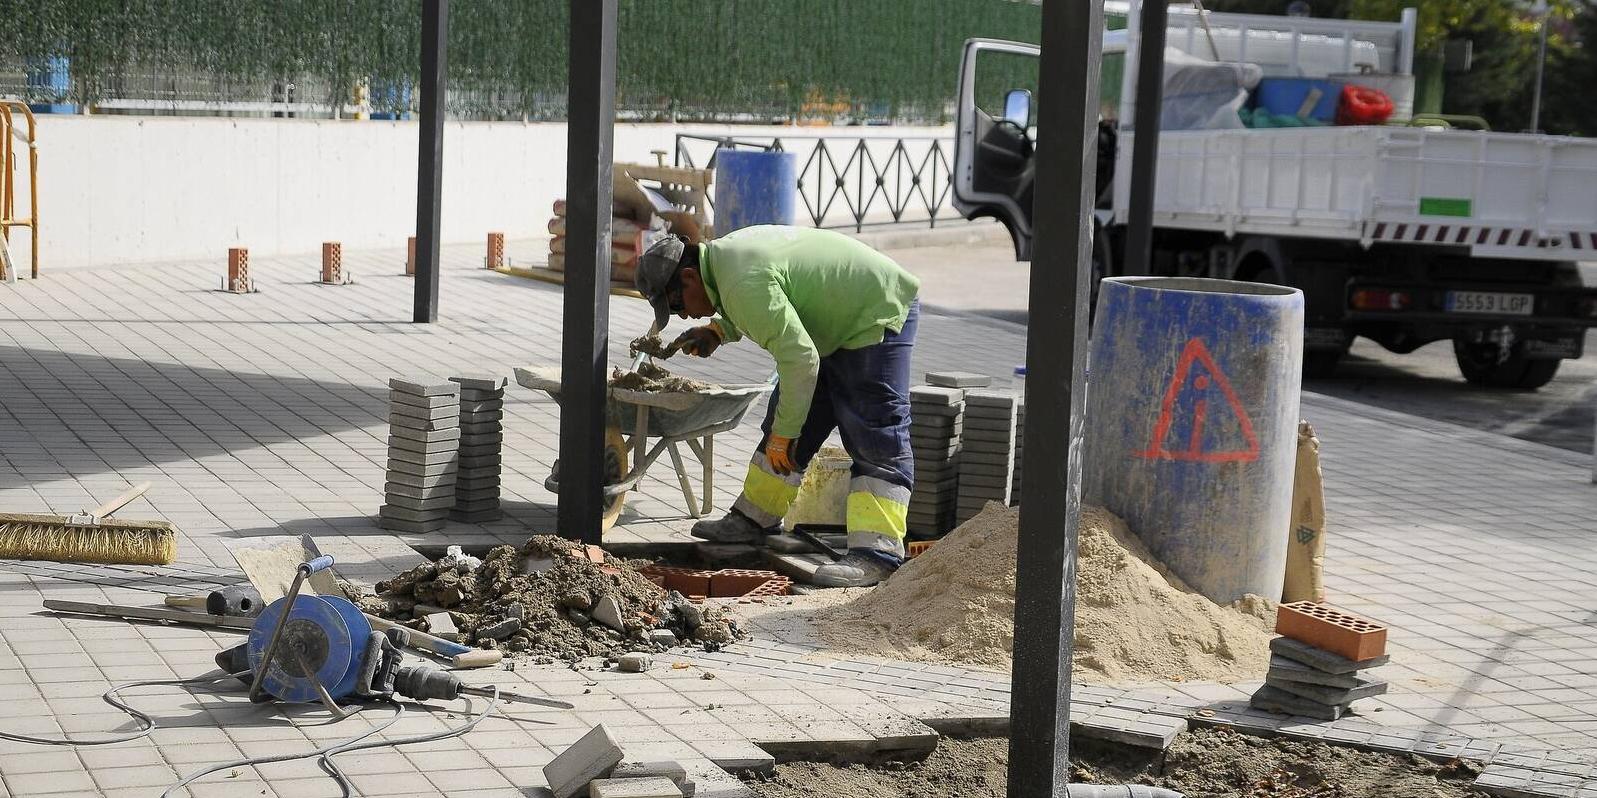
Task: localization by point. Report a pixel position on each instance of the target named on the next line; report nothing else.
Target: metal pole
(1541, 63)
(585, 337)
(430, 156)
(1145, 142)
(1056, 351)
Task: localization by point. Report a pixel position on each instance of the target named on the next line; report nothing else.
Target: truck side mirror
(1017, 107)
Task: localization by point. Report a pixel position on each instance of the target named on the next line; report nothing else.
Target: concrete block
(411, 492)
(662, 637)
(428, 413)
(958, 379)
(396, 467)
(398, 421)
(485, 461)
(985, 486)
(474, 499)
(634, 662)
(420, 482)
(390, 512)
(1321, 659)
(488, 475)
(439, 504)
(424, 402)
(483, 417)
(608, 612)
(990, 398)
(668, 769)
(476, 516)
(441, 624)
(1328, 695)
(421, 460)
(484, 406)
(986, 458)
(483, 450)
(411, 527)
(981, 414)
(476, 506)
(1271, 699)
(594, 756)
(423, 388)
(480, 382)
(479, 439)
(443, 436)
(475, 395)
(421, 447)
(1291, 670)
(646, 787)
(936, 395)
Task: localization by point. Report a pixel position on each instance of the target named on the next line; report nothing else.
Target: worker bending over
(839, 318)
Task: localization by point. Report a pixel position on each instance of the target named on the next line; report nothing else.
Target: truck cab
(1402, 234)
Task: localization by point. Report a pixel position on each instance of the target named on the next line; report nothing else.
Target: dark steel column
(1145, 144)
(1056, 350)
(430, 156)
(585, 333)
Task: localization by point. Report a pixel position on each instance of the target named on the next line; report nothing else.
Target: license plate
(1490, 302)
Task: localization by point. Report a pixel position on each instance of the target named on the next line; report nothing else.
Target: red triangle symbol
(1206, 374)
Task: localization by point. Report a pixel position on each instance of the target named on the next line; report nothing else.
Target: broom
(89, 536)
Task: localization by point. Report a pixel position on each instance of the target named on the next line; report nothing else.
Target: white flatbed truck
(1405, 235)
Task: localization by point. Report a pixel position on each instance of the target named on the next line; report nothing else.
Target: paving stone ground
(266, 414)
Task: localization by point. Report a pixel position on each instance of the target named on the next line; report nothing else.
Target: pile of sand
(653, 378)
(546, 600)
(1135, 621)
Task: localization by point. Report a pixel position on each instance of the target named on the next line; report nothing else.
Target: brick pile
(987, 456)
(1317, 662)
(482, 403)
(423, 435)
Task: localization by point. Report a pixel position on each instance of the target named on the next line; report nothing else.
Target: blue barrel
(1192, 412)
(754, 187)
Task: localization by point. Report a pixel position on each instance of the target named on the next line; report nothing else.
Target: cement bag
(1305, 558)
(823, 496)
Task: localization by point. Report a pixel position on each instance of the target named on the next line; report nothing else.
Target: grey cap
(657, 270)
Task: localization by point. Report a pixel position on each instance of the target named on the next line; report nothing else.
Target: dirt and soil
(558, 598)
(655, 379)
(1135, 621)
(1208, 763)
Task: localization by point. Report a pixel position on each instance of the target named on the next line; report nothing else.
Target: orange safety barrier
(9, 135)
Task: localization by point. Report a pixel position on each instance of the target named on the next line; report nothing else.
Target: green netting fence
(684, 59)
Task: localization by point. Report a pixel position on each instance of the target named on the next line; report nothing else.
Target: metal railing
(851, 181)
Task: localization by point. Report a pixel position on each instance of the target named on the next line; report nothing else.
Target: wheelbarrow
(633, 417)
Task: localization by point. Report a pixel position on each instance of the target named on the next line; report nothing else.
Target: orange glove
(779, 451)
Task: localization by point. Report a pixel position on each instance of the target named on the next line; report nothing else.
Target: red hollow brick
(332, 262)
(771, 587)
(410, 257)
(916, 548)
(734, 582)
(687, 581)
(238, 270)
(496, 251)
(1332, 630)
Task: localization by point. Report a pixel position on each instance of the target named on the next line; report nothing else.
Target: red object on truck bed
(1362, 105)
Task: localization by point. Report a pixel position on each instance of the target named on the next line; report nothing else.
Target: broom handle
(121, 501)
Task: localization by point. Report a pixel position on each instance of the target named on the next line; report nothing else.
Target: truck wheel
(1479, 364)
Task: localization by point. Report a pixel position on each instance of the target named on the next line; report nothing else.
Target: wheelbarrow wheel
(615, 467)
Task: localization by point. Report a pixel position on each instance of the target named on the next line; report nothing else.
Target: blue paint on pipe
(1192, 411)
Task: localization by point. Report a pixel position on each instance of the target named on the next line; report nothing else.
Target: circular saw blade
(316, 641)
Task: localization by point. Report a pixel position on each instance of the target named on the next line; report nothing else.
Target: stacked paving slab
(482, 436)
(1020, 448)
(423, 436)
(1310, 672)
(936, 415)
(987, 456)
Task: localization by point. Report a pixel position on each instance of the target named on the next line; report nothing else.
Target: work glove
(779, 453)
(700, 341)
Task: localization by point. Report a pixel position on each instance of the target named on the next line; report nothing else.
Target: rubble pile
(549, 600)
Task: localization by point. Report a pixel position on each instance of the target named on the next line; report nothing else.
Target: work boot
(734, 528)
(856, 569)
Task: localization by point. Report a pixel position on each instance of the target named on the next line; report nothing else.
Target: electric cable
(147, 724)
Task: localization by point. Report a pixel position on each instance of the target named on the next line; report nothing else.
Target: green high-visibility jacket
(802, 294)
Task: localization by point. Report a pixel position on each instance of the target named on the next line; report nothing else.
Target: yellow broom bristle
(113, 542)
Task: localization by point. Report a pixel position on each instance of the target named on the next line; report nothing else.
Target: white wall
(136, 189)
